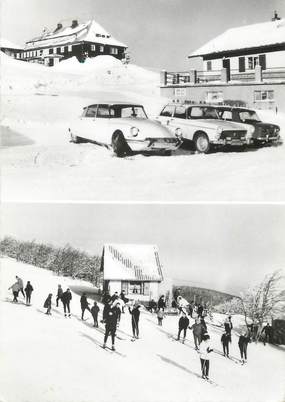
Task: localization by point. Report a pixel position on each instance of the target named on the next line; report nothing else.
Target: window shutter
(262, 61)
(241, 64)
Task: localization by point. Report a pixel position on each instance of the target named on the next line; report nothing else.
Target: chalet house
(243, 65)
(84, 40)
(134, 268)
(9, 48)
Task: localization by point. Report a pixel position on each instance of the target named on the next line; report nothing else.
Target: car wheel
(120, 145)
(202, 143)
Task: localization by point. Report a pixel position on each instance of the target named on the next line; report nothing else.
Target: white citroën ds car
(123, 127)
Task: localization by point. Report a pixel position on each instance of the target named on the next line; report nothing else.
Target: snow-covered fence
(65, 260)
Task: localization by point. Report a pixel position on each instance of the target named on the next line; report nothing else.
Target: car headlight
(277, 129)
(134, 131)
(178, 132)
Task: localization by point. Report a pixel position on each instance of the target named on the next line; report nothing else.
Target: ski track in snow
(54, 359)
(39, 163)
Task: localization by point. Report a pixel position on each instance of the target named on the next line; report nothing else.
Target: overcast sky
(159, 33)
(225, 247)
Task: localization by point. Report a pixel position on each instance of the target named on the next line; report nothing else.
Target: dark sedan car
(264, 133)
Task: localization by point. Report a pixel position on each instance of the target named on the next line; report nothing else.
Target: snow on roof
(5, 43)
(245, 37)
(134, 262)
(89, 31)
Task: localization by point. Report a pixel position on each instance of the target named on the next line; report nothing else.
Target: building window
(50, 51)
(93, 48)
(57, 51)
(180, 92)
(252, 62)
(70, 48)
(140, 288)
(62, 49)
(101, 49)
(260, 96)
(209, 66)
(113, 50)
(241, 64)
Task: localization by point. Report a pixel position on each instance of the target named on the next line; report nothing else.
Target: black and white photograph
(142, 201)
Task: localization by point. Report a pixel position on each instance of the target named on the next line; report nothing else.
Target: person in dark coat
(84, 305)
(94, 311)
(228, 325)
(135, 313)
(111, 321)
(59, 294)
(226, 339)
(204, 325)
(243, 341)
(183, 324)
(47, 304)
(106, 297)
(268, 333)
(114, 297)
(200, 310)
(197, 332)
(161, 303)
(124, 300)
(28, 291)
(152, 306)
(66, 298)
(190, 309)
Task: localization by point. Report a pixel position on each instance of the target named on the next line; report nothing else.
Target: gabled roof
(6, 44)
(245, 37)
(131, 262)
(89, 31)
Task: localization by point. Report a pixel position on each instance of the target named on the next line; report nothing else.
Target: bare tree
(265, 300)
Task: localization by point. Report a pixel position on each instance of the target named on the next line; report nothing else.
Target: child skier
(135, 313)
(243, 341)
(47, 304)
(183, 324)
(111, 316)
(160, 316)
(94, 311)
(226, 339)
(205, 350)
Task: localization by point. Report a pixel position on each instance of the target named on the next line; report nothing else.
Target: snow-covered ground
(55, 359)
(38, 162)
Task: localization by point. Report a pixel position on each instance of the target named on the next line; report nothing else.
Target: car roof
(226, 107)
(119, 103)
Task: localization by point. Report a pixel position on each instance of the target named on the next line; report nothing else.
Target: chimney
(275, 17)
(74, 24)
(58, 27)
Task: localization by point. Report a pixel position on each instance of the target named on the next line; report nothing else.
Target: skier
(203, 325)
(47, 304)
(66, 298)
(111, 321)
(124, 300)
(228, 325)
(197, 332)
(160, 316)
(152, 306)
(200, 310)
(84, 305)
(15, 289)
(106, 297)
(21, 285)
(205, 350)
(226, 339)
(161, 303)
(183, 324)
(190, 309)
(135, 312)
(268, 333)
(243, 341)
(28, 291)
(114, 297)
(59, 294)
(94, 311)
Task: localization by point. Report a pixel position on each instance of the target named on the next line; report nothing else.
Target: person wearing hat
(47, 304)
(183, 324)
(94, 311)
(135, 313)
(205, 350)
(66, 298)
(111, 316)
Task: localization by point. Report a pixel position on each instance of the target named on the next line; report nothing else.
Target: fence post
(163, 77)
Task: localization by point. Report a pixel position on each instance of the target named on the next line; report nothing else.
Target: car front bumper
(154, 144)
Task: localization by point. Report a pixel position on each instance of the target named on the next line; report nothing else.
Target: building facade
(134, 268)
(84, 40)
(243, 65)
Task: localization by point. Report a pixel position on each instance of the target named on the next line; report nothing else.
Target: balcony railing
(194, 77)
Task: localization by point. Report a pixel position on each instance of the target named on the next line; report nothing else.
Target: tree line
(66, 260)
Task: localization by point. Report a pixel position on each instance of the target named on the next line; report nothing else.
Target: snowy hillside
(52, 358)
(39, 163)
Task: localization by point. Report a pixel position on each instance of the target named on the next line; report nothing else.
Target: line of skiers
(18, 286)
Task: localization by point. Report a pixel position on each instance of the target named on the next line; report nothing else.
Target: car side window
(103, 111)
(227, 115)
(195, 113)
(167, 111)
(91, 111)
(180, 112)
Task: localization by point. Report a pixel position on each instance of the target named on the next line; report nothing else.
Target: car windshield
(248, 116)
(133, 111)
(197, 112)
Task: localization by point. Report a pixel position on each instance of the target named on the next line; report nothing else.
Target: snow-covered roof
(89, 31)
(245, 37)
(5, 43)
(132, 262)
